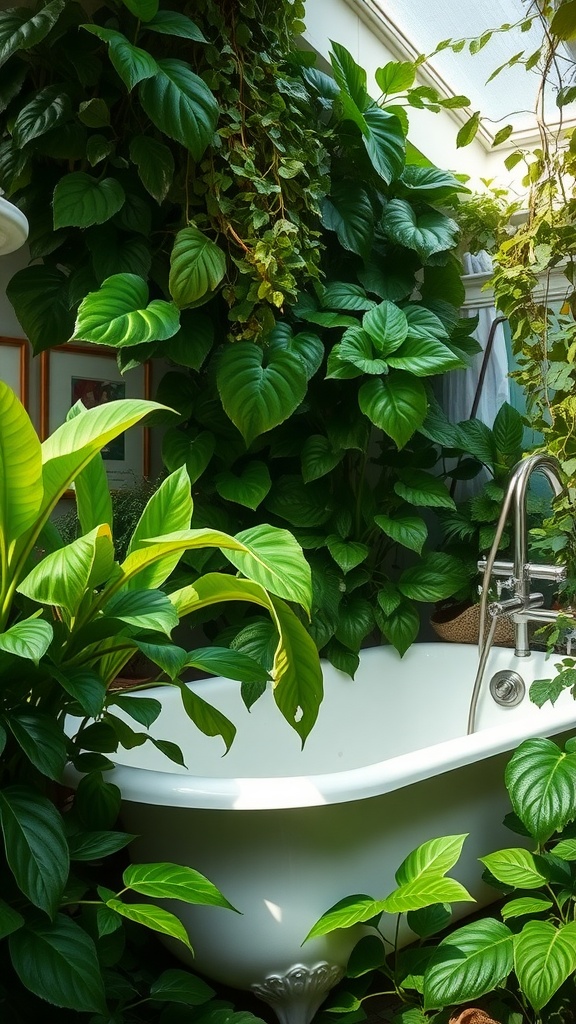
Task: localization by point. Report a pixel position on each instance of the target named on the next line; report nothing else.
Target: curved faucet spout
(522, 572)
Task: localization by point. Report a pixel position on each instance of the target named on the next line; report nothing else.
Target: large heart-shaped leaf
(181, 105)
(249, 488)
(347, 553)
(348, 211)
(40, 298)
(467, 964)
(197, 266)
(544, 957)
(259, 390)
(401, 626)
(57, 961)
(81, 200)
(541, 781)
(36, 848)
(427, 232)
(431, 184)
(397, 405)
(384, 141)
(387, 325)
(435, 577)
(307, 346)
(132, 63)
(194, 451)
(119, 314)
(319, 457)
(298, 503)
(409, 531)
(20, 469)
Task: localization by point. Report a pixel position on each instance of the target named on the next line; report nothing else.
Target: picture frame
(14, 366)
(72, 372)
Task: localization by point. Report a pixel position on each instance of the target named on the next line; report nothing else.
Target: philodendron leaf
(421, 488)
(171, 23)
(49, 108)
(23, 28)
(427, 233)
(401, 626)
(42, 740)
(436, 855)
(175, 986)
(206, 717)
(296, 673)
(348, 211)
(132, 63)
(57, 961)
(345, 914)
(29, 638)
(433, 578)
(249, 488)
(20, 469)
(36, 848)
(119, 314)
(342, 295)
(62, 578)
(397, 405)
(39, 295)
(174, 881)
(155, 165)
(259, 390)
(181, 105)
(81, 200)
(307, 346)
(424, 357)
(424, 891)
(541, 782)
(356, 348)
(275, 560)
(468, 963)
(387, 326)
(197, 266)
(187, 450)
(515, 867)
(409, 531)
(155, 918)
(347, 554)
(385, 142)
(224, 661)
(144, 609)
(319, 457)
(544, 957)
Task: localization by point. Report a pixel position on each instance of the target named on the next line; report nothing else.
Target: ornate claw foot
(296, 995)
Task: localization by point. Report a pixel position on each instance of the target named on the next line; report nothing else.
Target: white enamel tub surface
(286, 833)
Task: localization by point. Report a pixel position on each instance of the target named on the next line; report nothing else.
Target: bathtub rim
(176, 789)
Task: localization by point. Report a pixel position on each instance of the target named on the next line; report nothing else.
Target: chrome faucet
(524, 607)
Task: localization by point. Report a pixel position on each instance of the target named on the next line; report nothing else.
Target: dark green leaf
(57, 961)
(181, 105)
(36, 848)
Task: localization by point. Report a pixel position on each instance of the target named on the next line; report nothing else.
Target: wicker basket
(460, 624)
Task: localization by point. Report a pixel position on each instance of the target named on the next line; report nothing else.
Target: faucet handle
(554, 573)
(498, 569)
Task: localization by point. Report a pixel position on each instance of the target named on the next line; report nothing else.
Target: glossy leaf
(541, 782)
(348, 211)
(119, 314)
(39, 295)
(62, 578)
(435, 577)
(81, 200)
(342, 295)
(525, 906)
(171, 23)
(397, 405)
(347, 554)
(36, 849)
(259, 391)
(428, 888)
(143, 609)
(468, 963)
(421, 488)
(544, 957)
(20, 470)
(249, 488)
(29, 638)
(401, 626)
(319, 457)
(197, 266)
(224, 661)
(508, 430)
(174, 881)
(427, 233)
(436, 855)
(409, 531)
(176, 986)
(307, 346)
(155, 918)
(57, 961)
(87, 846)
(387, 326)
(208, 719)
(97, 802)
(425, 357)
(515, 867)
(275, 560)
(22, 29)
(155, 165)
(86, 687)
(181, 105)
(10, 919)
(349, 75)
(42, 740)
(356, 348)
(345, 914)
(49, 108)
(384, 142)
(133, 64)
(396, 76)
(193, 452)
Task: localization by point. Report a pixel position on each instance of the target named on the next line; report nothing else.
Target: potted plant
(70, 617)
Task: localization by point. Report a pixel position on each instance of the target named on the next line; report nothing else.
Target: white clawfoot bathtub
(286, 833)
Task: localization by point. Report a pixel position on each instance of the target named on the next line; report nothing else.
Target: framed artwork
(14, 355)
(72, 373)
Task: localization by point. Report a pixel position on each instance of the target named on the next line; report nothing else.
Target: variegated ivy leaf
(118, 314)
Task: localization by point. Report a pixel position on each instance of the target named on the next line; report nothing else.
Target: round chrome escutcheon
(507, 688)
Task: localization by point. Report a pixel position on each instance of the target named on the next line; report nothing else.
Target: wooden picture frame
(14, 366)
(72, 372)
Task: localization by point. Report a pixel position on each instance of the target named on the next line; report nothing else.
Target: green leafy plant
(524, 963)
(70, 617)
(207, 183)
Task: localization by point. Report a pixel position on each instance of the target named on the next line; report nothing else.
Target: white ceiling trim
(393, 37)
